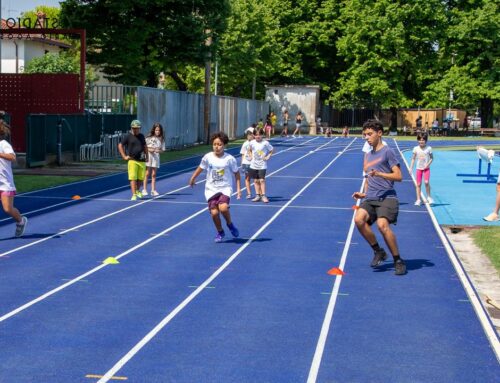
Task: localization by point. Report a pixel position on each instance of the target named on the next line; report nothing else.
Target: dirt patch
(484, 276)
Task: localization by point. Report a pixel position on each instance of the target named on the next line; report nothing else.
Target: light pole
(206, 105)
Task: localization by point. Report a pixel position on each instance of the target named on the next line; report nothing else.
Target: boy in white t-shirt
(7, 187)
(219, 184)
(422, 156)
(246, 159)
(261, 150)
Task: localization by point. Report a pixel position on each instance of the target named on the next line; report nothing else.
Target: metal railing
(111, 99)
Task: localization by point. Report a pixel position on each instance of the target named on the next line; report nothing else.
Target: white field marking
(82, 276)
(101, 176)
(144, 341)
(120, 187)
(75, 228)
(320, 346)
(95, 269)
(485, 321)
(87, 197)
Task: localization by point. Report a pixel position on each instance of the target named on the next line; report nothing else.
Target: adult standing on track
(134, 150)
(286, 117)
(380, 203)
(493, 216)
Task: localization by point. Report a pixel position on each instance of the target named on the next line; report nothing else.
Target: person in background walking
(298, 123)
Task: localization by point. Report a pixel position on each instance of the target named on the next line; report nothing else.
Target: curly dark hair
(221, 136)
(376, 125)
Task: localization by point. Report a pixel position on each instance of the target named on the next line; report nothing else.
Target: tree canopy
(134, 40)
(374, 53)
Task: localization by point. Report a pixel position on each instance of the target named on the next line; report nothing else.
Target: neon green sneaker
(134, 198)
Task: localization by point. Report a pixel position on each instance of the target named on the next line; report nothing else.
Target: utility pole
(206, 105)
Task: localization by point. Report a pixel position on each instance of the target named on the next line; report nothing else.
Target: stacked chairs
(106, 148)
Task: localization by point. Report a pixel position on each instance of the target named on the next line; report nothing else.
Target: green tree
(134, 40)
(52, 63)
(469, 59)
(390, 50)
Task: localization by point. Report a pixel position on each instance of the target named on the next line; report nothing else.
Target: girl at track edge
(219, 186)
(422, 156)
(7, 187)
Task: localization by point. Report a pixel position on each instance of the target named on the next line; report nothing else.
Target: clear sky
(14, 8)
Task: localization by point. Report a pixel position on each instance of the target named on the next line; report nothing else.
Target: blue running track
(260, 308)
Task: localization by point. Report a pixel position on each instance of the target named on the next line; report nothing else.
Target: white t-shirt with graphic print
(259, 151)
(422, 156)
(220, 173)
(245, 153)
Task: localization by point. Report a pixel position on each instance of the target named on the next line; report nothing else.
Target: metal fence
(181, 115)
(111, 99)
(82, 136)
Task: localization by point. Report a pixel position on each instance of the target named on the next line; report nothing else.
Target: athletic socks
(376, 247)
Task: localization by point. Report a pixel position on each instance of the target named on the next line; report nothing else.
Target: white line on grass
(144, 341)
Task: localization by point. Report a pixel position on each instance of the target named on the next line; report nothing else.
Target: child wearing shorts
(7, 187)
(422, 156)
(219, 184)
(380, 203)
(246, 159)
(260, 150)
(155, 141)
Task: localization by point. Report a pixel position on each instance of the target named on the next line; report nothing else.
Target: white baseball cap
(249, 130)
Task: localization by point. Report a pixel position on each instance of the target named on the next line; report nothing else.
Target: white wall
(295, 98)
(27, 50)
(9, 55)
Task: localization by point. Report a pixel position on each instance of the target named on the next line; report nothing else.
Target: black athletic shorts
(387, 208)
(257, 174)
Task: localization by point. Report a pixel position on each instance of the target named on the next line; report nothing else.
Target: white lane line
(82, 276)
(75, 228)
(95, 269)
(320, 346)
(144, 341)
(483, 317)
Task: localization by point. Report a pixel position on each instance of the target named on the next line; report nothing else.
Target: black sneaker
(400, 267)
(379, 258)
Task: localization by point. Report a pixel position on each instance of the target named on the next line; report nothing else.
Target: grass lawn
(487, 239)
(26, 183)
